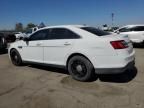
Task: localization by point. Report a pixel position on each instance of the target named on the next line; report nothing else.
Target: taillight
(121, 44)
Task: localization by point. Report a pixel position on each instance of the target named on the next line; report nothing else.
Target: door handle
(20, 47)
(66, 44)
(39, 44)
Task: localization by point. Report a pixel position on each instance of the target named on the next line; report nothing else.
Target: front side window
(40, 35)
(125, 29)
(61, 33)
(95, 31)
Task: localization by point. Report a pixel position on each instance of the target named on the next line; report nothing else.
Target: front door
(33, 49)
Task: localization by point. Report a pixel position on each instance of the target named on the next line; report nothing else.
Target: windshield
(95, 31)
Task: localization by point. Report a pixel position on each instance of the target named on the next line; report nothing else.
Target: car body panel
(96, 49)
(59, 48)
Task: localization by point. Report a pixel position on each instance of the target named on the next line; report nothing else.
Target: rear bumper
(115, 70)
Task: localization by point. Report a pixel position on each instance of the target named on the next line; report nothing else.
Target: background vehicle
(30, 31)
(84, 51)
(5, 39)
(19, 35)
(3, 44)
(135, 33)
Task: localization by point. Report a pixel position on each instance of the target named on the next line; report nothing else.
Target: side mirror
(26, 39)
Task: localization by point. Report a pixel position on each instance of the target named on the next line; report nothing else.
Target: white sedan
(135, 33)
(18, 35)
(84, 51)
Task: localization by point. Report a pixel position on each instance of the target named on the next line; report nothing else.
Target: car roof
(75, 28)
(65, 26)
(133, 25)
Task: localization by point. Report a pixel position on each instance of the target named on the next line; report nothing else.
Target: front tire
(81, 69)
(15, 58)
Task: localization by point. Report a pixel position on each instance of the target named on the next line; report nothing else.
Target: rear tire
(15, 57)
(81, 69)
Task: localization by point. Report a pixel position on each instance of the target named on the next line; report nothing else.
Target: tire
(81, 69)
(15, 58)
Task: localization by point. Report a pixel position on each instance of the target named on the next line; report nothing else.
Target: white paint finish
(56, 50)
(97, 49)
(31, 51)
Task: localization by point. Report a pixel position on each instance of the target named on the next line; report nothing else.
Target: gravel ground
(33, 86)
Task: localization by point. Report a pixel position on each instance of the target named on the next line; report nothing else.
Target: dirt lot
(45, 87)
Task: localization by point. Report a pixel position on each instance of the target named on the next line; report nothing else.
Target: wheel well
(15, 50)
(75, 54)
(12, 49)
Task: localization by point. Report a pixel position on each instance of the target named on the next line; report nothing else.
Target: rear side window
(138, 28)
(95, 31)
(61, 33)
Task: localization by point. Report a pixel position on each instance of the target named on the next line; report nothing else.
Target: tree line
(20, 28)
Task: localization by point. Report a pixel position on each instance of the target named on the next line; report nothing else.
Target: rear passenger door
(58, 44)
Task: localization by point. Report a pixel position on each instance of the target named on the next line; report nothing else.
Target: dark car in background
(3, 43)
(5, 39)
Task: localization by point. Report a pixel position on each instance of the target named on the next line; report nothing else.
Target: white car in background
(18, 35)
(84, 51)
(30, 31)
(135, 33)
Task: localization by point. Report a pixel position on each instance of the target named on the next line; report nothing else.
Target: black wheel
(81, 68)
(15, 58)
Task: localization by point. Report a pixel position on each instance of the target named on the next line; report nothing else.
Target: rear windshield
(95, 31)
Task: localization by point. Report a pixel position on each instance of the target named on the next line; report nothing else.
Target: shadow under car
(124, 77)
